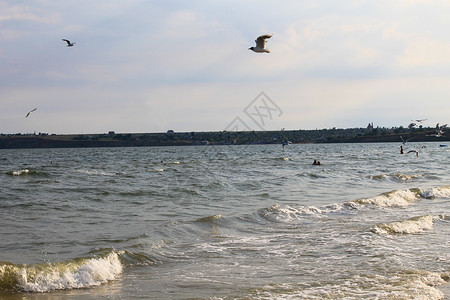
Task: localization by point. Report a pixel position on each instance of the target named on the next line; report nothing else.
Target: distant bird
(440, 127)
(420, 120)
(411, 125)
(261, 44)
(414, 151)
(285, 143)
(439, 130)
(403, 141)
(69, 43)
(439, 133)
(30, 112)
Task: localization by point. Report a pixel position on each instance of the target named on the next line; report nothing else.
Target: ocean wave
(436, 192)
(277, 213)
(136, 258)
(285, 158)
(410, 226)
(209, 219)
(396, 198)
(26, 172)
(95, 172)
(397, 177)
(402, 197)
(20, 172)
(392, 198)
(72, 274)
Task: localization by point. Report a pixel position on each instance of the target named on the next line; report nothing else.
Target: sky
(150, 66)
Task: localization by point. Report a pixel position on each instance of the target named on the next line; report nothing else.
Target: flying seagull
(69, 43)
(439, 133)
(261, 44)
(30, 112)
(285, 143)
(405, 141)
(440, 127)
(414, 151)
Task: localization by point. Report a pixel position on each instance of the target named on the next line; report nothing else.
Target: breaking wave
(20, 172)
(410, 226)
(396, 198)
(72, 274)
(436, 192)
(277, 213)
(393, 198)
(25, 172)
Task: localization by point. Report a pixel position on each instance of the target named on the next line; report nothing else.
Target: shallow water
(225, 222)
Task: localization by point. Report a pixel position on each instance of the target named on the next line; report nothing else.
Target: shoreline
(171, 138)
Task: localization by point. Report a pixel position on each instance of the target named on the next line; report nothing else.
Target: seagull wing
(67, 41)
(30, 112)
(261, 40)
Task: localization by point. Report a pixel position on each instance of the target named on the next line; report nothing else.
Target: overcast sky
(150, 66)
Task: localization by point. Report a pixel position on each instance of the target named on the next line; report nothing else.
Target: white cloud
(16, 12)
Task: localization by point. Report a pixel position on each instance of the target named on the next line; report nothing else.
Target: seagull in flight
(285, 143)
(405, 141)
(261, 44)
(439, 130)
(69, 43)
(420, 120)
(440, 127)
(439, 133)
(414, 151)
(30, 112)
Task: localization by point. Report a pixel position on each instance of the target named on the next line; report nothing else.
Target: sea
(226, 222)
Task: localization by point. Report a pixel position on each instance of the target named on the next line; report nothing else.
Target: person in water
(401, 149)
(316, 163)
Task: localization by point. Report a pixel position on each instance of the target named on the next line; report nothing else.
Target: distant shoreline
(171, 138)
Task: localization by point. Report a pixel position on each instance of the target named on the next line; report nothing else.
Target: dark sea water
(226, 222)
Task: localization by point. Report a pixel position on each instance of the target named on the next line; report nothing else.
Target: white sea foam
(394, 198)
(277, 213)
(442, 191)
(97, 172)
(413, 225)
(411, 285)
(82, 274)
(21, 172)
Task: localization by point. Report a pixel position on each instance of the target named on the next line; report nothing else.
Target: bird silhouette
(69, 43)
(30, 112)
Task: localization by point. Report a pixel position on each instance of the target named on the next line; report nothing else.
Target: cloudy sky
(150, 66)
